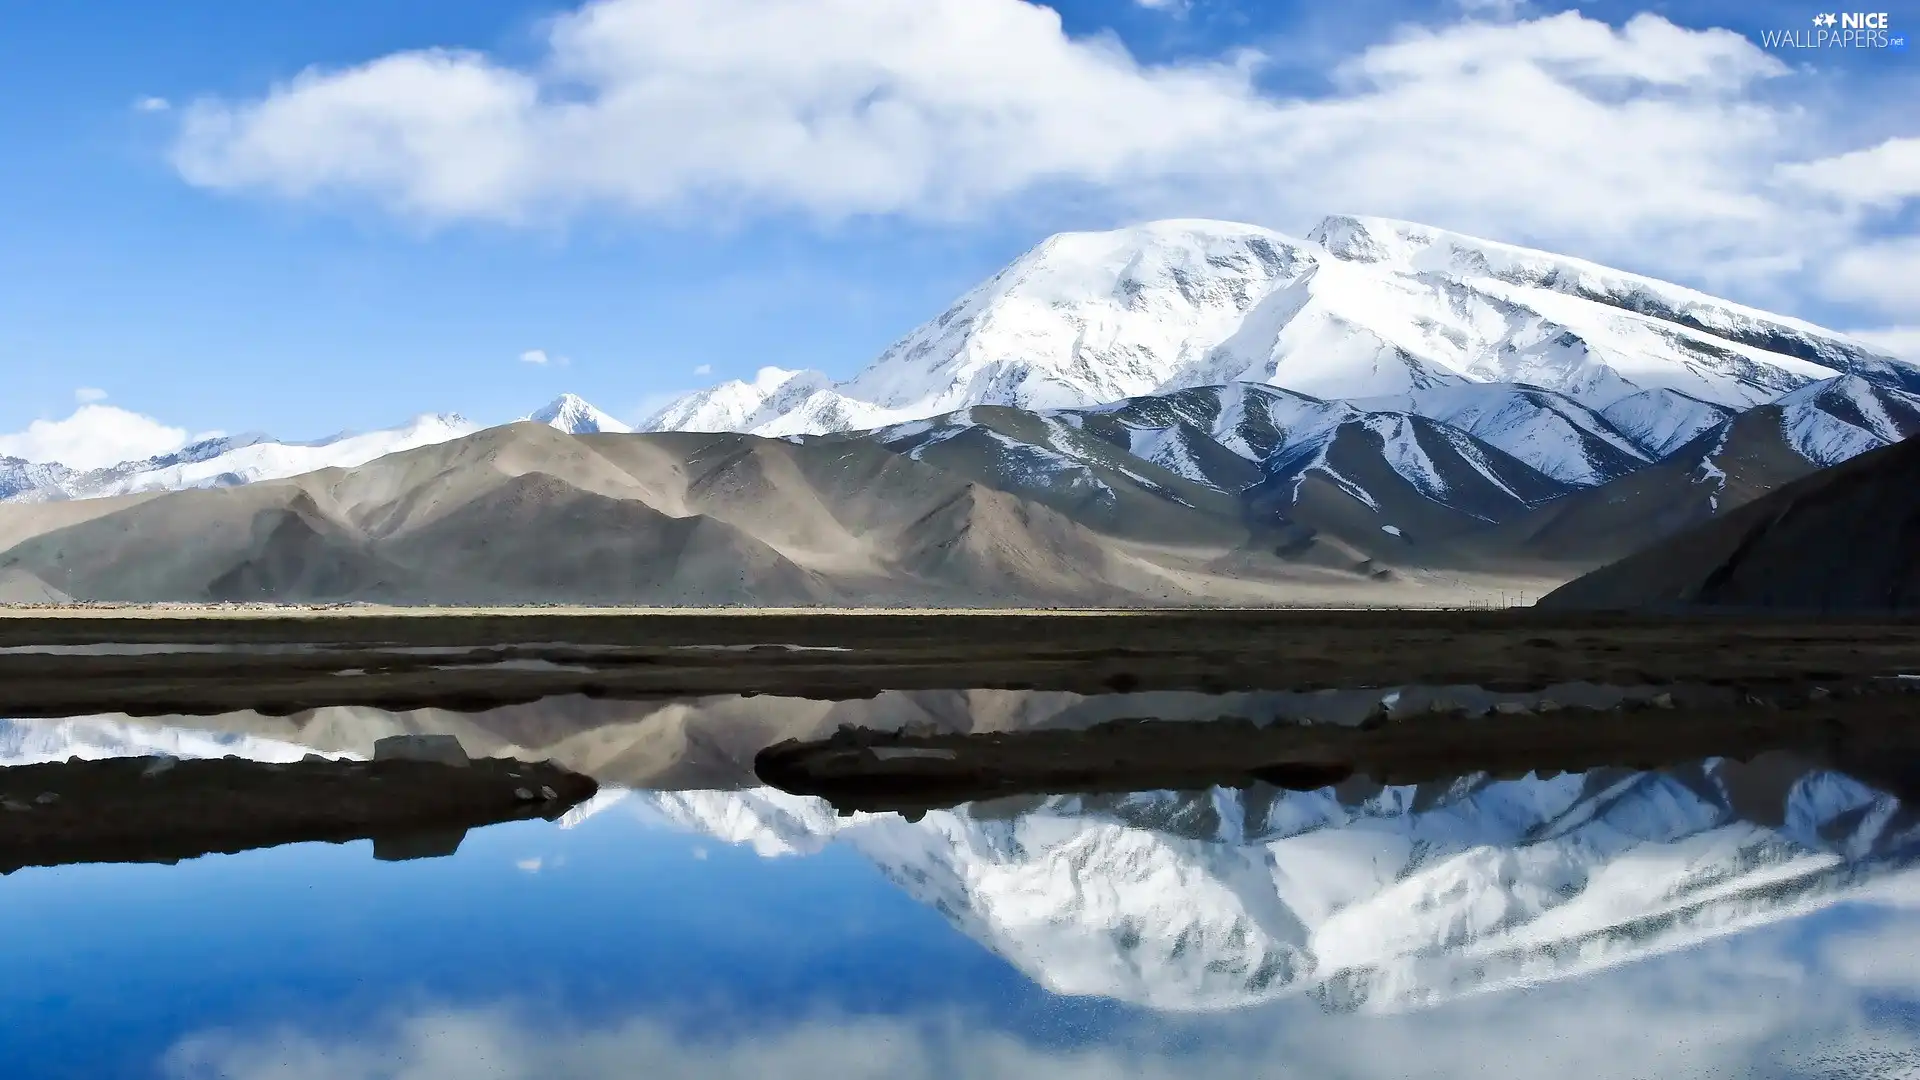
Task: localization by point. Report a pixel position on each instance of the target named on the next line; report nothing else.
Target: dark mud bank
(160, 809)
(1870, 730)
(202, 666)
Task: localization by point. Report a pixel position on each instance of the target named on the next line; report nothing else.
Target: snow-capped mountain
(244, 459)
(734, 405)
(1360, 308)
(1383, 899)
(575, 416)
(225, 461)
(1369, 388)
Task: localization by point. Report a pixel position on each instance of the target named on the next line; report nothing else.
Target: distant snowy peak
(575, 416)
(242, 459)
(736, 405)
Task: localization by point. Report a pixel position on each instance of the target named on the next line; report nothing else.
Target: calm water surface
(1719, 920)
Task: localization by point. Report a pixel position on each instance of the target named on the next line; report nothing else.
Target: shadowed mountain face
(1845, 539)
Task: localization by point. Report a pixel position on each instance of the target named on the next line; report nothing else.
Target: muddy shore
(203, 663)
(165, 810)
(1870, 730)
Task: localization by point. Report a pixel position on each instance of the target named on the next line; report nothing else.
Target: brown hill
(1843, 539)
(527, 514)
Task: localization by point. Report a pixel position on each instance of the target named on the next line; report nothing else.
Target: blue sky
(198, 234)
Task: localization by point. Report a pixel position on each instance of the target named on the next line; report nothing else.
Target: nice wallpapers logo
(1840, 30)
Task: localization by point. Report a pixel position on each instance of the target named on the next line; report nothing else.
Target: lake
(1716, 919)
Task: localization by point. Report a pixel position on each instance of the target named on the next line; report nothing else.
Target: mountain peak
(575, 416)
(1362, 307)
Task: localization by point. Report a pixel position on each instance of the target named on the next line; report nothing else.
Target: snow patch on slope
(1829, 422)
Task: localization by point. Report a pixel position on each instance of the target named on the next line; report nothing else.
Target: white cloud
(1879, 177)
(87, 395)
(1883, 274)
(1649, 144)
(1901, 341)
(1174, 7)
(703, 369)
(531, 866)
(152, 105)
(95, 436)
(535, 356)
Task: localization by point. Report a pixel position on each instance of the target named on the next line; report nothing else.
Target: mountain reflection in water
(1715, 919)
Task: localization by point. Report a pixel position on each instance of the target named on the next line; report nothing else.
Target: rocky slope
(1843, 539)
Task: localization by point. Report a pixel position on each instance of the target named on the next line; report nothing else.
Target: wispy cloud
(152, 105)
(703, 369)
(87, 395)
(542, 358)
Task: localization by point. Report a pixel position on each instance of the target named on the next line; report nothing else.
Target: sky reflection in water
(628, 945)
